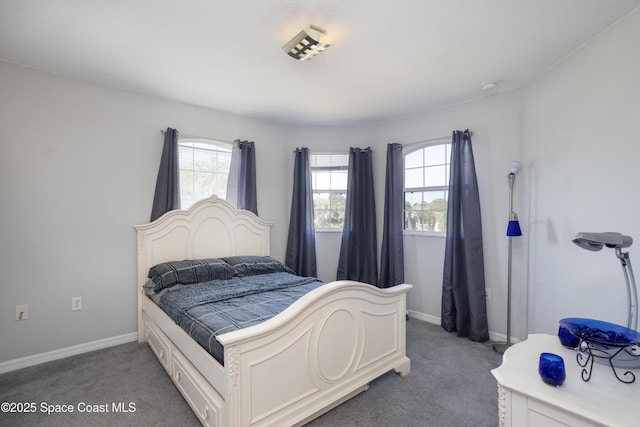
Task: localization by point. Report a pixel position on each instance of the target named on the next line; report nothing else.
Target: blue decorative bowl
(567, 339)
(606, 339)
(604, 334)
(551, 369)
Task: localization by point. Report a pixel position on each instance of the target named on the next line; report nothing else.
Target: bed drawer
(203, 399)
(159, 343)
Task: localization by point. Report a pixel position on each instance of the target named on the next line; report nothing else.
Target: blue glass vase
(551, 369)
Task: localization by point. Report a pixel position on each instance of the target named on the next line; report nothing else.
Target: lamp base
(500, 347)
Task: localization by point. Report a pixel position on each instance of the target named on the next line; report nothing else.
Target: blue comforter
(208, 309)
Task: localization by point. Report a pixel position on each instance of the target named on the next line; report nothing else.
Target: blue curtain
(301, 243)
(392, 257)
(167, 194)
(241, 187)
(463, 287)
(358, 259)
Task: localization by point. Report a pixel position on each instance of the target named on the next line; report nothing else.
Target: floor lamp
(513, 229)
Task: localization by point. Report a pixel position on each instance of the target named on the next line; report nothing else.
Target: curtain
(463, 288)
(358, 259)
(241, 187)
(392, 257)
(167, 194)
(301, 243)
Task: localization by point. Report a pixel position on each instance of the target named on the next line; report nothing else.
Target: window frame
(219, 146)
(330, 191)
(446, 142)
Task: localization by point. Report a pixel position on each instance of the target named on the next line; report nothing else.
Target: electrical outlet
(76, 303)
(22, 312)
(487, 293)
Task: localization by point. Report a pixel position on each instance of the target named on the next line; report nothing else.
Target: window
(204, 169)
(426, 188)
(329, 174)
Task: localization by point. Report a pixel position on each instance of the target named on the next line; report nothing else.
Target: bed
(317, 353)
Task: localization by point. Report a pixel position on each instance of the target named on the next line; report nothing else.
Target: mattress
(208, 309)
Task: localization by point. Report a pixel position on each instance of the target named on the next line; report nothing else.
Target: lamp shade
(513, 228)
(596, 241)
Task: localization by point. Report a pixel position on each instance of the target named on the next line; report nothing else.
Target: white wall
(78, 158)
(332, 140)
(581, 149)
(494, 122)
(573, 130)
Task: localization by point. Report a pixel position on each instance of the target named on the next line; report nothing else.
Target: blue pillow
(254, 265)
(190, 271)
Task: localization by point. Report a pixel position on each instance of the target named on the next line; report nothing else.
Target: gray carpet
(449, 385)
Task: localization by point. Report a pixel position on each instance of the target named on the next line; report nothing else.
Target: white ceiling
(389, 58)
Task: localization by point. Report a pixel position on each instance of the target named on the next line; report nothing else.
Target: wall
(331, 140)
(573, 130)
(495, 123)
(76, 157)
(78, 165)
(582, 147)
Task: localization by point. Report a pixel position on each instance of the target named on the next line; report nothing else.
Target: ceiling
(387, 59)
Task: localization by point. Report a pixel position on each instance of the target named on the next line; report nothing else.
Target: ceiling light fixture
(306, 45)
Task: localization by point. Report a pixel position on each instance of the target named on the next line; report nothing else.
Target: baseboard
(25, 362)
(424, 317)
(36, 359)
(493, 336)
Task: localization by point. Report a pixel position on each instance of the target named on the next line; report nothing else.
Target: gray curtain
(301, 243)
(358, 260)
(241, 187)
(392, 258)
(463, 288)
(167, 194)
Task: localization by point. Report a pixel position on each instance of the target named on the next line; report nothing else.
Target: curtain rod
(199, 137)
(411, 144)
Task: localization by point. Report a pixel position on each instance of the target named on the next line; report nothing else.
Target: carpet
(450, 384)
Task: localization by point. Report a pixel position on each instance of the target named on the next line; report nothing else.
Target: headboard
(211, 228)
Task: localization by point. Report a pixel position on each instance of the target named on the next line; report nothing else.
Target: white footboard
(316, 354)
(319, 352)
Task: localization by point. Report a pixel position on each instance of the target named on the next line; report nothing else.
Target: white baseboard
(36, 359)
(25, 362)
(424, 317)
(493, 336)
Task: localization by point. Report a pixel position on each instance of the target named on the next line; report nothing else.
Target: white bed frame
(319, 352)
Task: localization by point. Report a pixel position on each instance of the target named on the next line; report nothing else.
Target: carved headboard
(211, 228)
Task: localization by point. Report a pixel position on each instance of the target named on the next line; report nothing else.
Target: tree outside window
(204, 169)
(329, 173)
(426, 185)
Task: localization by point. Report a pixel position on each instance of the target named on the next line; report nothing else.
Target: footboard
(319, 352)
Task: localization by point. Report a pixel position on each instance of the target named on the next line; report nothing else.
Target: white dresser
(524, 400)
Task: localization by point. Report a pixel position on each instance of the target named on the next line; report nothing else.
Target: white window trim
(325, 153)
(408, 149)
(418, 233)
(203, 140)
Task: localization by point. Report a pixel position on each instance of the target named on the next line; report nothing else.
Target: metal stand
(632, 292)
(594, 351)
(502, 347)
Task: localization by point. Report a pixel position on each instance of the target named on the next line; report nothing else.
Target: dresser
(524, 400)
